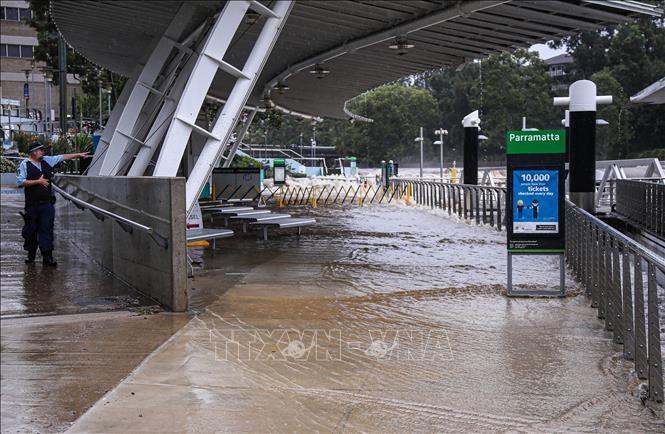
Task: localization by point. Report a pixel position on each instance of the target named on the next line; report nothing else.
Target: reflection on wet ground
(76, 286)
(377, 320)
(56, 367)
(66, 335)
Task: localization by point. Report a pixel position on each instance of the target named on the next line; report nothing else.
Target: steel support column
(121, 136)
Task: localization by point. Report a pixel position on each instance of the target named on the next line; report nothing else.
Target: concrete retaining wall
(136, 257)
(8, 180)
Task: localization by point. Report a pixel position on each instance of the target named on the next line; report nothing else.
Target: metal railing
(606, 194)
(483, 204)
(642, 202)
(318, 195)
(613, 268)
(473, 202)
(126, 224)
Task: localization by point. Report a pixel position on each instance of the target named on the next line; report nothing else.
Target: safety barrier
(483, 204)
(613, 268)
(642, 202)
(319, 195)
(473, 202)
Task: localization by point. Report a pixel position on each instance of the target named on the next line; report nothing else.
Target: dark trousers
(38, 229)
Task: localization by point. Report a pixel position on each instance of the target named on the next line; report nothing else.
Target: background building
(29, 97)
(558, 67)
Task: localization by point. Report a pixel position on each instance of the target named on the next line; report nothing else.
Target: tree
(612, 140)
(398, 112)
(47, 51)
(625, 59)
(515, 85)
(456, 93)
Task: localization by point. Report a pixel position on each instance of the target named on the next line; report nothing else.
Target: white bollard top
(471, 120)
(582, 96)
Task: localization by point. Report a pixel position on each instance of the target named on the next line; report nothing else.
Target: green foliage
(47, 51)
(242, 162)
(625, 59)
(80, 142)
(398, 112)
(652, 153)
(6, 165)
(22, 141)
(612, 140)
(514, 85)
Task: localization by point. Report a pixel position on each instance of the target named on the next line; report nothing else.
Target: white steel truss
(208, 63)
(160, 124)
(123, 135)
(228, 158)
(102, 147)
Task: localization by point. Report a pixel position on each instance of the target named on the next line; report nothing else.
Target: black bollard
(581, 140)
(582, 144)
(471, 124)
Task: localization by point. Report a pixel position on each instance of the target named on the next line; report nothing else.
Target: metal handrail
(609, 266)
(629, 242)
(642, 202)
(484, 204)
(126, 224)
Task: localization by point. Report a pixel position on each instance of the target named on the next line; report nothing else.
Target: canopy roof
(653, 94)
(351, 39)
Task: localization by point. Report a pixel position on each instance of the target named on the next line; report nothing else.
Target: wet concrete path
(377, 320)
(68, 335)
(76, 286)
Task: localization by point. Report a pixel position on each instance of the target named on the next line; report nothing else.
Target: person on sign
(35, 174)
(520, 208)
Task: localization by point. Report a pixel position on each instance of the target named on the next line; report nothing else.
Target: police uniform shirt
(22, 172)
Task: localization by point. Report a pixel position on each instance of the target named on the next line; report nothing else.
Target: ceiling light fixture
(319, 71)
(402, 45)
(281, 87)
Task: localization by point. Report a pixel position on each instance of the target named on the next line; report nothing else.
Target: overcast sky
(546, 52)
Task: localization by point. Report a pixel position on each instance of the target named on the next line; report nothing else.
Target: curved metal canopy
(350, 39)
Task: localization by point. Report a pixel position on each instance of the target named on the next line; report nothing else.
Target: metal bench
(204, 234)
(241, 212)
(239, 200)
(219, 207)
(253, 218)
(283, 223)
(208, 234)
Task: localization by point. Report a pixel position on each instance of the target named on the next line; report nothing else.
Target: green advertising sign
(536, 142)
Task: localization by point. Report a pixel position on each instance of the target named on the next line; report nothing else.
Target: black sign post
(535, 199)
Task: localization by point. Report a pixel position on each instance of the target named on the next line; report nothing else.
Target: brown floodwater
(67, 335)
(378, 319)
(78, 285)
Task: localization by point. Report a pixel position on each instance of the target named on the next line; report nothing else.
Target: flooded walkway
(68, 335)
(377, 320)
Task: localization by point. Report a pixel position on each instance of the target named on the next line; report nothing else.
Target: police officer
(34, 175)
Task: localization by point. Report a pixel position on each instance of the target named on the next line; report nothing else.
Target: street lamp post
(313, 142)
(47, 118)
(108, 91)
(441, 132)
(301, 154)
(420, 139)
(26, 93)
(99, 87)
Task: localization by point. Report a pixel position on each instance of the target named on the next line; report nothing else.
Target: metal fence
(613, 270)
(319, 195)
(642, 202)
(480, 203)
